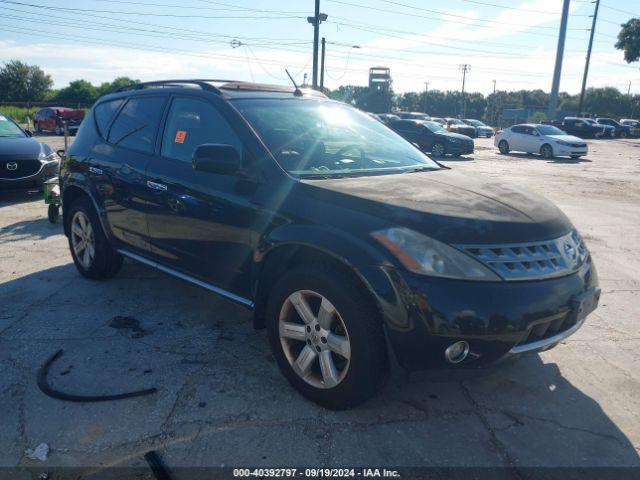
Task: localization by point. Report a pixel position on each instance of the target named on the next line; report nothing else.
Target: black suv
(352, 247)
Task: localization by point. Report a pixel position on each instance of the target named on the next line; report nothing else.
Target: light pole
(316, 20)
(494, 107)
(586, 65)
(464, 68)
(553, 98)
(426, 90)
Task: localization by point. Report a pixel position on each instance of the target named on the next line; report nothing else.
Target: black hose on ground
(158, 469)
(69, 397)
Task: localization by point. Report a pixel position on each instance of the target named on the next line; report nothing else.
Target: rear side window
(518, 129)
(136, 125)
(192, 122)
(103, 114)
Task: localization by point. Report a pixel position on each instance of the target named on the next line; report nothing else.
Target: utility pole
(426, 90)
(629, 89)
(553, 98)
(494, 106)
(464, 68)
(586, 65)
(316, 20)
(322, 65)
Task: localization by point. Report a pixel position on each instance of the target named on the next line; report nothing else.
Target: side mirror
(216, 158)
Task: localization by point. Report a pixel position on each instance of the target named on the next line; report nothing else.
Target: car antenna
(297, 91)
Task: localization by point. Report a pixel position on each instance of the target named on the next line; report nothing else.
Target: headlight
(563, 143)
(421, 254)
(48, 157)
(454, 139)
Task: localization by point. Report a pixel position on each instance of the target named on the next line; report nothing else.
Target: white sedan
(546, 140)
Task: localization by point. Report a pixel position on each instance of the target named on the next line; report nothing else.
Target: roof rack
(204, 84)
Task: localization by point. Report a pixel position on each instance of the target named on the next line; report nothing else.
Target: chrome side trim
(545, 342)
(224, 293)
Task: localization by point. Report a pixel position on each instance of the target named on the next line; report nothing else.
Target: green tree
(119, 82)
(79, 92)
(629, 40)
(20, 82)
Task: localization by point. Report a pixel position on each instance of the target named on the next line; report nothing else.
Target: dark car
(353, 248)
(622, 131)
(580, 127)
(53, 119)
(456, 125)
(432, 137)
(24, 162)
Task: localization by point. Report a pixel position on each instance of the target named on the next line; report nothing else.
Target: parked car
(349, 244)
(387, 117)
(482, 129)
(622, 131)
(432, 137)
(607, 130)
(52, 119)
(547, 140)
(24, 162)
(438, 120)
(456, 125)
(412, 115)
(580, 127)
(634, 124)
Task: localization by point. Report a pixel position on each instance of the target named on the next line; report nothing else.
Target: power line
(439, 12)
(513, 8)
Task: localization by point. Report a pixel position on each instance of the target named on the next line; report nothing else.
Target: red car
(51, 119)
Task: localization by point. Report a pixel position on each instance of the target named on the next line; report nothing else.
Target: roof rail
(204, 84)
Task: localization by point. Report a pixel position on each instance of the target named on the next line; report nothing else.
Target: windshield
(549, 130)
(434, 127)
(318, 138)
(9, 129)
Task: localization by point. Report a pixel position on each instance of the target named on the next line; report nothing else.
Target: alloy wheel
(437, 150)
(82, 239)
(314, 339)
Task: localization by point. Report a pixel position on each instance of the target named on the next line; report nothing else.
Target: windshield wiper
(421, 169)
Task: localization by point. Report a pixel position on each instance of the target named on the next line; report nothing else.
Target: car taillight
(498, 131)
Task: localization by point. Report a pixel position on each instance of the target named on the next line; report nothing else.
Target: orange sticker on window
(181, 135)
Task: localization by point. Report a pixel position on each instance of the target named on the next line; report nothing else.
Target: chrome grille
(534, 260)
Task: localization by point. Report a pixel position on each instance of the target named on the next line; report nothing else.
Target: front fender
(371, 265)
(77, 180)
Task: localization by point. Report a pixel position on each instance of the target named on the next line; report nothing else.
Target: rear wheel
(546, 151)
(91, 252)
(503, 146)
(623, 134)
(327, 337)
(438, 149)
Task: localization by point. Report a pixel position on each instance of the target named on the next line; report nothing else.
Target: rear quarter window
(137, 123)
(103, 113)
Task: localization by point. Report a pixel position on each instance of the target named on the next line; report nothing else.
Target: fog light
(457, 352)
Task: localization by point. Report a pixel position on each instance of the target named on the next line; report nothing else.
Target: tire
(351, 378)
(53, 212)
(59, 130)
(503, 146)
(105, 261)
(438, 149)
(623, 134)
(37, 128)
(546, 151)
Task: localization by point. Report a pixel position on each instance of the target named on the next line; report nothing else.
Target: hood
(566, 138)
(23, 148)
(445, 205)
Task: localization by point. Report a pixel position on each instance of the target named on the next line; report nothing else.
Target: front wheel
(91, 252)
(327, 337)
(546, 151)
(503, 146)
(438, 149)
(623, 134)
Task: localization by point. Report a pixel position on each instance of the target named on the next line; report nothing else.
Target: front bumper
(462, 148)
(47, 171)
(565, 151)
(424, 315)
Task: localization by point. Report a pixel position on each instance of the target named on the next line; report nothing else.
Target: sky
(510, 41)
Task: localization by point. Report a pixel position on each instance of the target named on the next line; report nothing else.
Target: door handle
(96, 170)
(156, 186)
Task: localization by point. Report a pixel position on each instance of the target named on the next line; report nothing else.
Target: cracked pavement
(222, 401)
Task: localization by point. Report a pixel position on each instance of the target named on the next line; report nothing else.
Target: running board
(223, 293)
